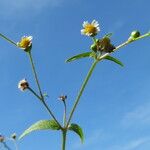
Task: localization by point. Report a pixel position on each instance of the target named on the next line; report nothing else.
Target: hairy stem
(7, 39)
(81, 90)
(34, 93)
(64, 133)
(41, 97)
(65, 113)
(35, 74)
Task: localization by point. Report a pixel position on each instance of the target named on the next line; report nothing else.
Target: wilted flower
(2, 138)
(104, 45)
(90, 29)
(25, 43)
(23, 85)
(63, 97)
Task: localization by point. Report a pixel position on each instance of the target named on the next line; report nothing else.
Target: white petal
(85, 23)
(30, 38)
(82, 31)
(98, 29)
(93, 22)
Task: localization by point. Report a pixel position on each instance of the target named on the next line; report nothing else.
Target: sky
(114, 110)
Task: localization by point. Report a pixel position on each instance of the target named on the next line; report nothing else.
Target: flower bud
(23, 85)
(134, 35)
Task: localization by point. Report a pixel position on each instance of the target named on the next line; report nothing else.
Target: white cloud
(139, 116)
(132, 145)
(9, 7)
(119, 24)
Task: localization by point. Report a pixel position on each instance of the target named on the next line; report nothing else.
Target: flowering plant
(101, 49)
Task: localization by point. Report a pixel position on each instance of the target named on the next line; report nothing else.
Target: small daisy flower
(23, 85)
(90, 29)
(25, 42)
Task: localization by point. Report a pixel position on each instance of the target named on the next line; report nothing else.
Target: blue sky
(115, 108)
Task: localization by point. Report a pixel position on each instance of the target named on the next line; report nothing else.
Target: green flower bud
(134, 35)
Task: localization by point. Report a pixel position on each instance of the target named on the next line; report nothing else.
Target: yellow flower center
(89, 28)
(25, 42)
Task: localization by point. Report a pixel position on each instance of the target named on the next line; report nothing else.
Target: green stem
(51, 113)
(65, 113)
(7, 39)
(81, 90)
(35, 74)
(41, 97)
(94, 40)
(64, 133)
(34, 93)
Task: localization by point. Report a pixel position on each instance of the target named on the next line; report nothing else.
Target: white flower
(90, 29)
(23, 85)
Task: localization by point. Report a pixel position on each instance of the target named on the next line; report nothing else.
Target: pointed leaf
(108, 35)
(114, 60)
(79, 56)
(78, 130)
(41, 125)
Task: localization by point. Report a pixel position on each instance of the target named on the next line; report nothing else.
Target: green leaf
(79, 56)
(114, 60)
(78, 130)
(41, 125)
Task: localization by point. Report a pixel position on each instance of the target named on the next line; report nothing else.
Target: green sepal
(41, 125)
(114, 60)
(77, 129)
(79, 56)
(28, 50)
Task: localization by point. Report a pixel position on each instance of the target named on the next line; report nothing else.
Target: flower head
(23, 85)
(63, 97)
(13, 136)
(90, 29)
(25, 42)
